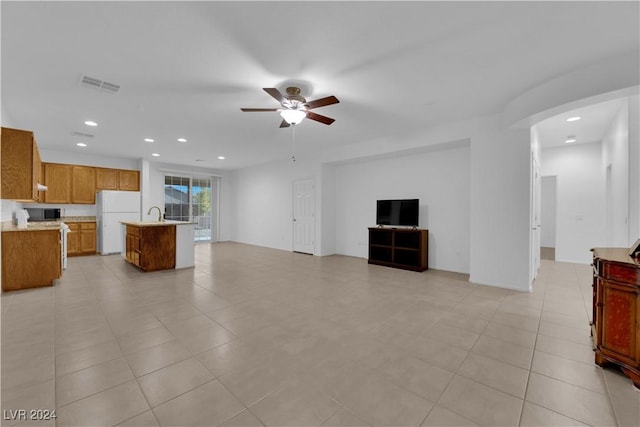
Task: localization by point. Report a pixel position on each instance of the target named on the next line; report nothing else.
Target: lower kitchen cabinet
(81, 239)
(30, 259)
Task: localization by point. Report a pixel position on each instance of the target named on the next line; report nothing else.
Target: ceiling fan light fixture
(293, 117)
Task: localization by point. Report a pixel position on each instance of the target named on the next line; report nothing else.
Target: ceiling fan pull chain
(293, 144)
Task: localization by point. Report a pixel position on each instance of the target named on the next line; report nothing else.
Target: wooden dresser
(616, 310)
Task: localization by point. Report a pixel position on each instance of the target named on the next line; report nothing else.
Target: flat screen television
(398, 212)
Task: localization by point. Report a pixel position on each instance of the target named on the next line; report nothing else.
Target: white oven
(64, 230)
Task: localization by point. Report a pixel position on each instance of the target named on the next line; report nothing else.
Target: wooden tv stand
(406, 248)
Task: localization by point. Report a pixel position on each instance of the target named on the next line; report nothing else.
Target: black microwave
(43, 214)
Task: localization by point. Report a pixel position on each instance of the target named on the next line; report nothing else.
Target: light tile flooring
(256, 336)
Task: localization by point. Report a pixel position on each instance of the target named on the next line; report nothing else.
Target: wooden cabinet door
(132, 252)
(73, 239)
(618, 322)
(129, 180)
(133, 249)
(37, 172)
(106, 179)
(30, 258)
(58, 181)
(83, 185)
(17, 152)
(88, 237)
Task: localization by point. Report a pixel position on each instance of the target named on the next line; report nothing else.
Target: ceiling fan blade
(253, 110)
(284, 124)
(322, 102)
(319, 118)
(275, 93)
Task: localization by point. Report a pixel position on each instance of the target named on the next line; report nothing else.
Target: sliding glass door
(201, 207)
(190, 199)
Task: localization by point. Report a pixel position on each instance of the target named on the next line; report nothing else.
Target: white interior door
(304, 221)
(536, 187)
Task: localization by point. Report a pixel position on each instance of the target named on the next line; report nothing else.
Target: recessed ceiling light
(81, 144)
(574, 119)
(570, 139)
(182, 140)
(220, 157)
(156, 155)
(148, 140)
(90, 123)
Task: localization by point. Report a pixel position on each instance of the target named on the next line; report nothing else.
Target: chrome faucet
(160, 219)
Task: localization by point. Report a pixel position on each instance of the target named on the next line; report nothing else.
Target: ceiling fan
(295, 108)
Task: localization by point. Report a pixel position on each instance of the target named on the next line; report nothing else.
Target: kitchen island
(158, 245)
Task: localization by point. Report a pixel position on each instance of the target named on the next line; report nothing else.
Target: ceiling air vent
(82, 135)
(99, 84)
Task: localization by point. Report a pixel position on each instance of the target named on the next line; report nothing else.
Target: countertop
(31, 226)
(45, 225)
(616, 254)
(155, 223)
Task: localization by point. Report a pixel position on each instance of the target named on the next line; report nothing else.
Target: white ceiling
(594, 121)
(186, 68)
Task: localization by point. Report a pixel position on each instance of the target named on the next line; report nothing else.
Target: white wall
(440, 179)
(328, 210)
(581, 214)
(263, 203)
(500, 206)
(634, 168)
(615, 153)
(548, 211)
(7, 207)
(82, 157)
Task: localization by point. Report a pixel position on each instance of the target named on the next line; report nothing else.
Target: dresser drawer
(620, 273)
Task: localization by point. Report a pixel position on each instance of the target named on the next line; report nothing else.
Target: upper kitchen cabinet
(106, 179)
(78, 184)
(21, 166)
(57, 177)
(70, 184)
(128, 180)
(83, 185)
(117, 179)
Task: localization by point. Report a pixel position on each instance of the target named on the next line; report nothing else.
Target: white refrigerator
(113, 207)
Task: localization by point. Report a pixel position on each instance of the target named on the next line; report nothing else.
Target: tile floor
(256, 336)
